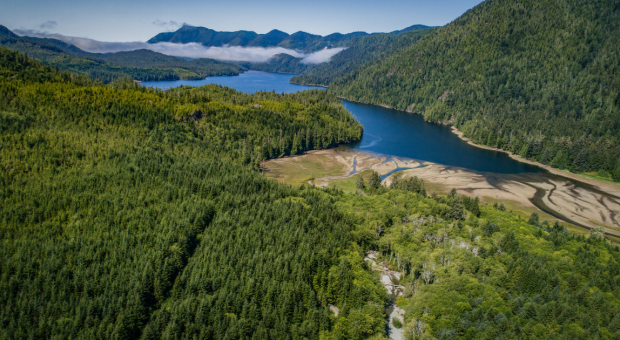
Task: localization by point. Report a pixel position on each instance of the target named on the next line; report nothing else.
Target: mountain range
(145, 64)
(139, 64)
(275, 38)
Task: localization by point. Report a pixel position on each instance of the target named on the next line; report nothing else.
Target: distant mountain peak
(6, 31)
(299, 40)
(411, 28)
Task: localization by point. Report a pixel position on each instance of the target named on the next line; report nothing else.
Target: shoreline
(580, 205)
(317, 85)
(576, 177)
(550, 169)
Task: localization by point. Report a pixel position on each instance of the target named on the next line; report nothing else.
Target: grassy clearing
(436, 188)
(598, 176)
(348, 184)
(298, 170)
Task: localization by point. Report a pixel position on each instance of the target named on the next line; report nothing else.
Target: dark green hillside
(139, 65)
(205, 36)
(280, 63)
(411, 28)
(148, 58)
(272, 38)
(300, 41)
(124, 208)
(361, 49)
(359, 52)
(538, 78)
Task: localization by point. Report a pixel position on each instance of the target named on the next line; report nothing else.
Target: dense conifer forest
(124, 208)
(538, 78)
(129, 212)
(359, 51)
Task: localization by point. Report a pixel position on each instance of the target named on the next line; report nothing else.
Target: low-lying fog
(191, 50)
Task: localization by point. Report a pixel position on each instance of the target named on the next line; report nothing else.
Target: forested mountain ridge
(124, 207)
(411, 28)
(538, 78)
(139, 65)
(298, 40)
(359, 52)
(279, 63)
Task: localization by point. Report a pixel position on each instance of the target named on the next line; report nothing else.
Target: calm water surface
(403, 134)
(247, 82)
(386, 131)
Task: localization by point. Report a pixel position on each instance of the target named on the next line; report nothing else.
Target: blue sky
(127, 20)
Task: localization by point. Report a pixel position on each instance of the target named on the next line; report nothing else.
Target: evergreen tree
(534, 219)
(359, 183)
(456, 210)
(375, 180)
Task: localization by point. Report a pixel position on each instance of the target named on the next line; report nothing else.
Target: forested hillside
(129, 212)
(140, 65)
(538, 78)
(480, 272)
(279, 63)
(359, 52)
(125, 208)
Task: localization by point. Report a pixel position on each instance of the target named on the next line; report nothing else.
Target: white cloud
(231, 53)
(191, 50)
(322, 56)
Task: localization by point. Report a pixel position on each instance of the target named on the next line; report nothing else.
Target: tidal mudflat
(554, 197)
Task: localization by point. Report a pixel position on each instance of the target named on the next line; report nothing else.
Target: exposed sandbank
(612, 187)
(585, 204)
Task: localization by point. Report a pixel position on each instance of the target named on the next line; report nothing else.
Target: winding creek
(404, 142)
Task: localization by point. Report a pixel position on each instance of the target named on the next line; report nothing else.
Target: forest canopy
(124, 208)
(130, 212)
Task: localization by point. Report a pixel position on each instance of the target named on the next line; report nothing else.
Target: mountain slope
(411, 28)
(538, 78)
(279, 63)
(138, 65)
(275, 38)
(359, 52)
(360, 49)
